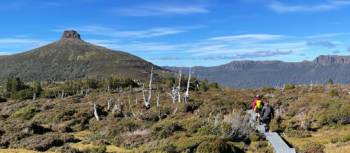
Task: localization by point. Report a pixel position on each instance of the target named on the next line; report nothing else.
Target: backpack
(258, 104)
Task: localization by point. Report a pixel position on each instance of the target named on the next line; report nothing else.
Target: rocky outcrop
(332, 59)
(71, 34)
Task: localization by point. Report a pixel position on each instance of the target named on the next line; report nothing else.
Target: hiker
(267, 113)
(257, 106)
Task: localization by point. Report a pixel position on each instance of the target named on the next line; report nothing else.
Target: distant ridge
(251, 74)
(72, 58)
(332, 59)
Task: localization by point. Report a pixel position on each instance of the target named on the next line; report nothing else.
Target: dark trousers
(266, 121)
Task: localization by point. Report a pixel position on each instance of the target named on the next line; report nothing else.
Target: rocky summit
(72, 58)
(71, 34)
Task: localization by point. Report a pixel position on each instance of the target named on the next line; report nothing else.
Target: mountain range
(252, 74)
(71, 58)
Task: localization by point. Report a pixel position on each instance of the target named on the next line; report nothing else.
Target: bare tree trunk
(148, 99)
(34, 96)
(95, 113)
(109, 103)
(173, 94)
(175, 111)
(158, 97)
(179, 88)
(62, 96)
(187, 93)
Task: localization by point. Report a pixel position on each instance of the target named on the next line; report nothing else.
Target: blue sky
(184, 32)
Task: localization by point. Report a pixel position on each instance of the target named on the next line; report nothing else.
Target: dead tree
(108, 88)
(95, 113)
(187, 93)
(173, 94)
(34, 96)
(109, 103)
(147, 101)
(158, 98)
(179, 88)
(62, 95)
(118, 110)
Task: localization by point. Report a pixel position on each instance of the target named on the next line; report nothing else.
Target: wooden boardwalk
(278, 144)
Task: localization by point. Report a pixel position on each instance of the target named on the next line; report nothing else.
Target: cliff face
(332, 59)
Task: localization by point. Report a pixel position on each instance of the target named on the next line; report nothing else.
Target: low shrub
(192, 124)
(312, 147)
(254, 136)
(289, 86)
(216, 146)
(297, 133)
(100, 149)
(26, 113)
(333, 93)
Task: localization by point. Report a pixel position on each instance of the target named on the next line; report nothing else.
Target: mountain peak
(71, 34)
(332, 59)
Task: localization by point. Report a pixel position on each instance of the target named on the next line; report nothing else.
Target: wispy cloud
(328, 5)
(162, 9)
(248, 37)
(4, 41)
(145, 33)
(5, 53)
(267, 53)
(322, 43)
(14, 45)
(327, 35)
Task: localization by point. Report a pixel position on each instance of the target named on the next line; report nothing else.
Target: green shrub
(209, 129)
(333, 93)
(254, 136)
(24, 94)
(192, 125)
(216, 146)
(297, 133)
(170, 149)
(289, 86)
(275, 125)
(64, 115)
(50, 93)
(100, 149)
(204, 86)
(26, 113)
(312, 147)
(166, 129)
(337, 112)
(214, 85)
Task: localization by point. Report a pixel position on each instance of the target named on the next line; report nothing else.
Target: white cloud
(248, 37)
(328, 5)
(162, 9)
(146, 33)
(5, 53)
(327, 35)
(6, 41)
(322, 43)
(14, 45)
(135, 46)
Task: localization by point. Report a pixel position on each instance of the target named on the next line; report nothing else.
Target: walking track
(278, 144)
